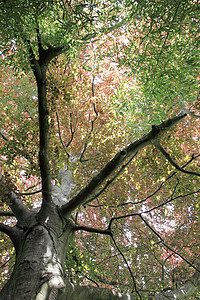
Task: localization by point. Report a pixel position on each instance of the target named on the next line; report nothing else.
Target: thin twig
(89, 135)
(61, 140)
(31, 193)
(151, 209)
(163, 242)
(72, 130)
(148, 197)
(129, 269)
(4, 264)
(169, 29)
(92, 280)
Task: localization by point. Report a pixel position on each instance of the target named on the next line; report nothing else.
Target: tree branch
(117, 161)
(6, 229)
(168, 201)
(6, 214)
(161, 185)
(72, 130)
(89, 134)
(168, 247)
(151, 209)
(185, 292)
(39, 68)
(111, 180)
(13, 232)
(20, 210)
(31, 193)
(92, 230)
(148, 197)
(129, 269)
(150, 227)
(113, 283)
(86, 293)
(11, 214)
(172, 162)
(61, 140)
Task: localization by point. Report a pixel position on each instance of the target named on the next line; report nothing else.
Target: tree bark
(92, 293)
(40, 255)
(185, 292)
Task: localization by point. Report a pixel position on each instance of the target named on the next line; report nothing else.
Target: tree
(35, 37)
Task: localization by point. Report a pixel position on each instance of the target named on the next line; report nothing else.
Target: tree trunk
(40, 254)
(38, 272)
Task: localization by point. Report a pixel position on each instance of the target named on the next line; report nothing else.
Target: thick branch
(40, 74)
(39, 68)
(185, 292)
(117, 161)
(6, 229)
(15, 233)
(6, 214)
(20, 210)
(17, 206)
(12, 232)
(46, 55)
(111, 180)
(85, 293)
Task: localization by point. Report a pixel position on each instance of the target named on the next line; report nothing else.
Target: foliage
(162, 51)
(104, 90)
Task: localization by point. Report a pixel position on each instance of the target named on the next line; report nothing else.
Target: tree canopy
(100, 130)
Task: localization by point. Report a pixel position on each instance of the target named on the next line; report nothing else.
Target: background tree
(103, 73)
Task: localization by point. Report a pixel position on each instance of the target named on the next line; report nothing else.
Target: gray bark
(188, 289)
(40, 255)
(61, 190)
(92, 293)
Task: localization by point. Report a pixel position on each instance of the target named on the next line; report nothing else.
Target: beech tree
(99, 195)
